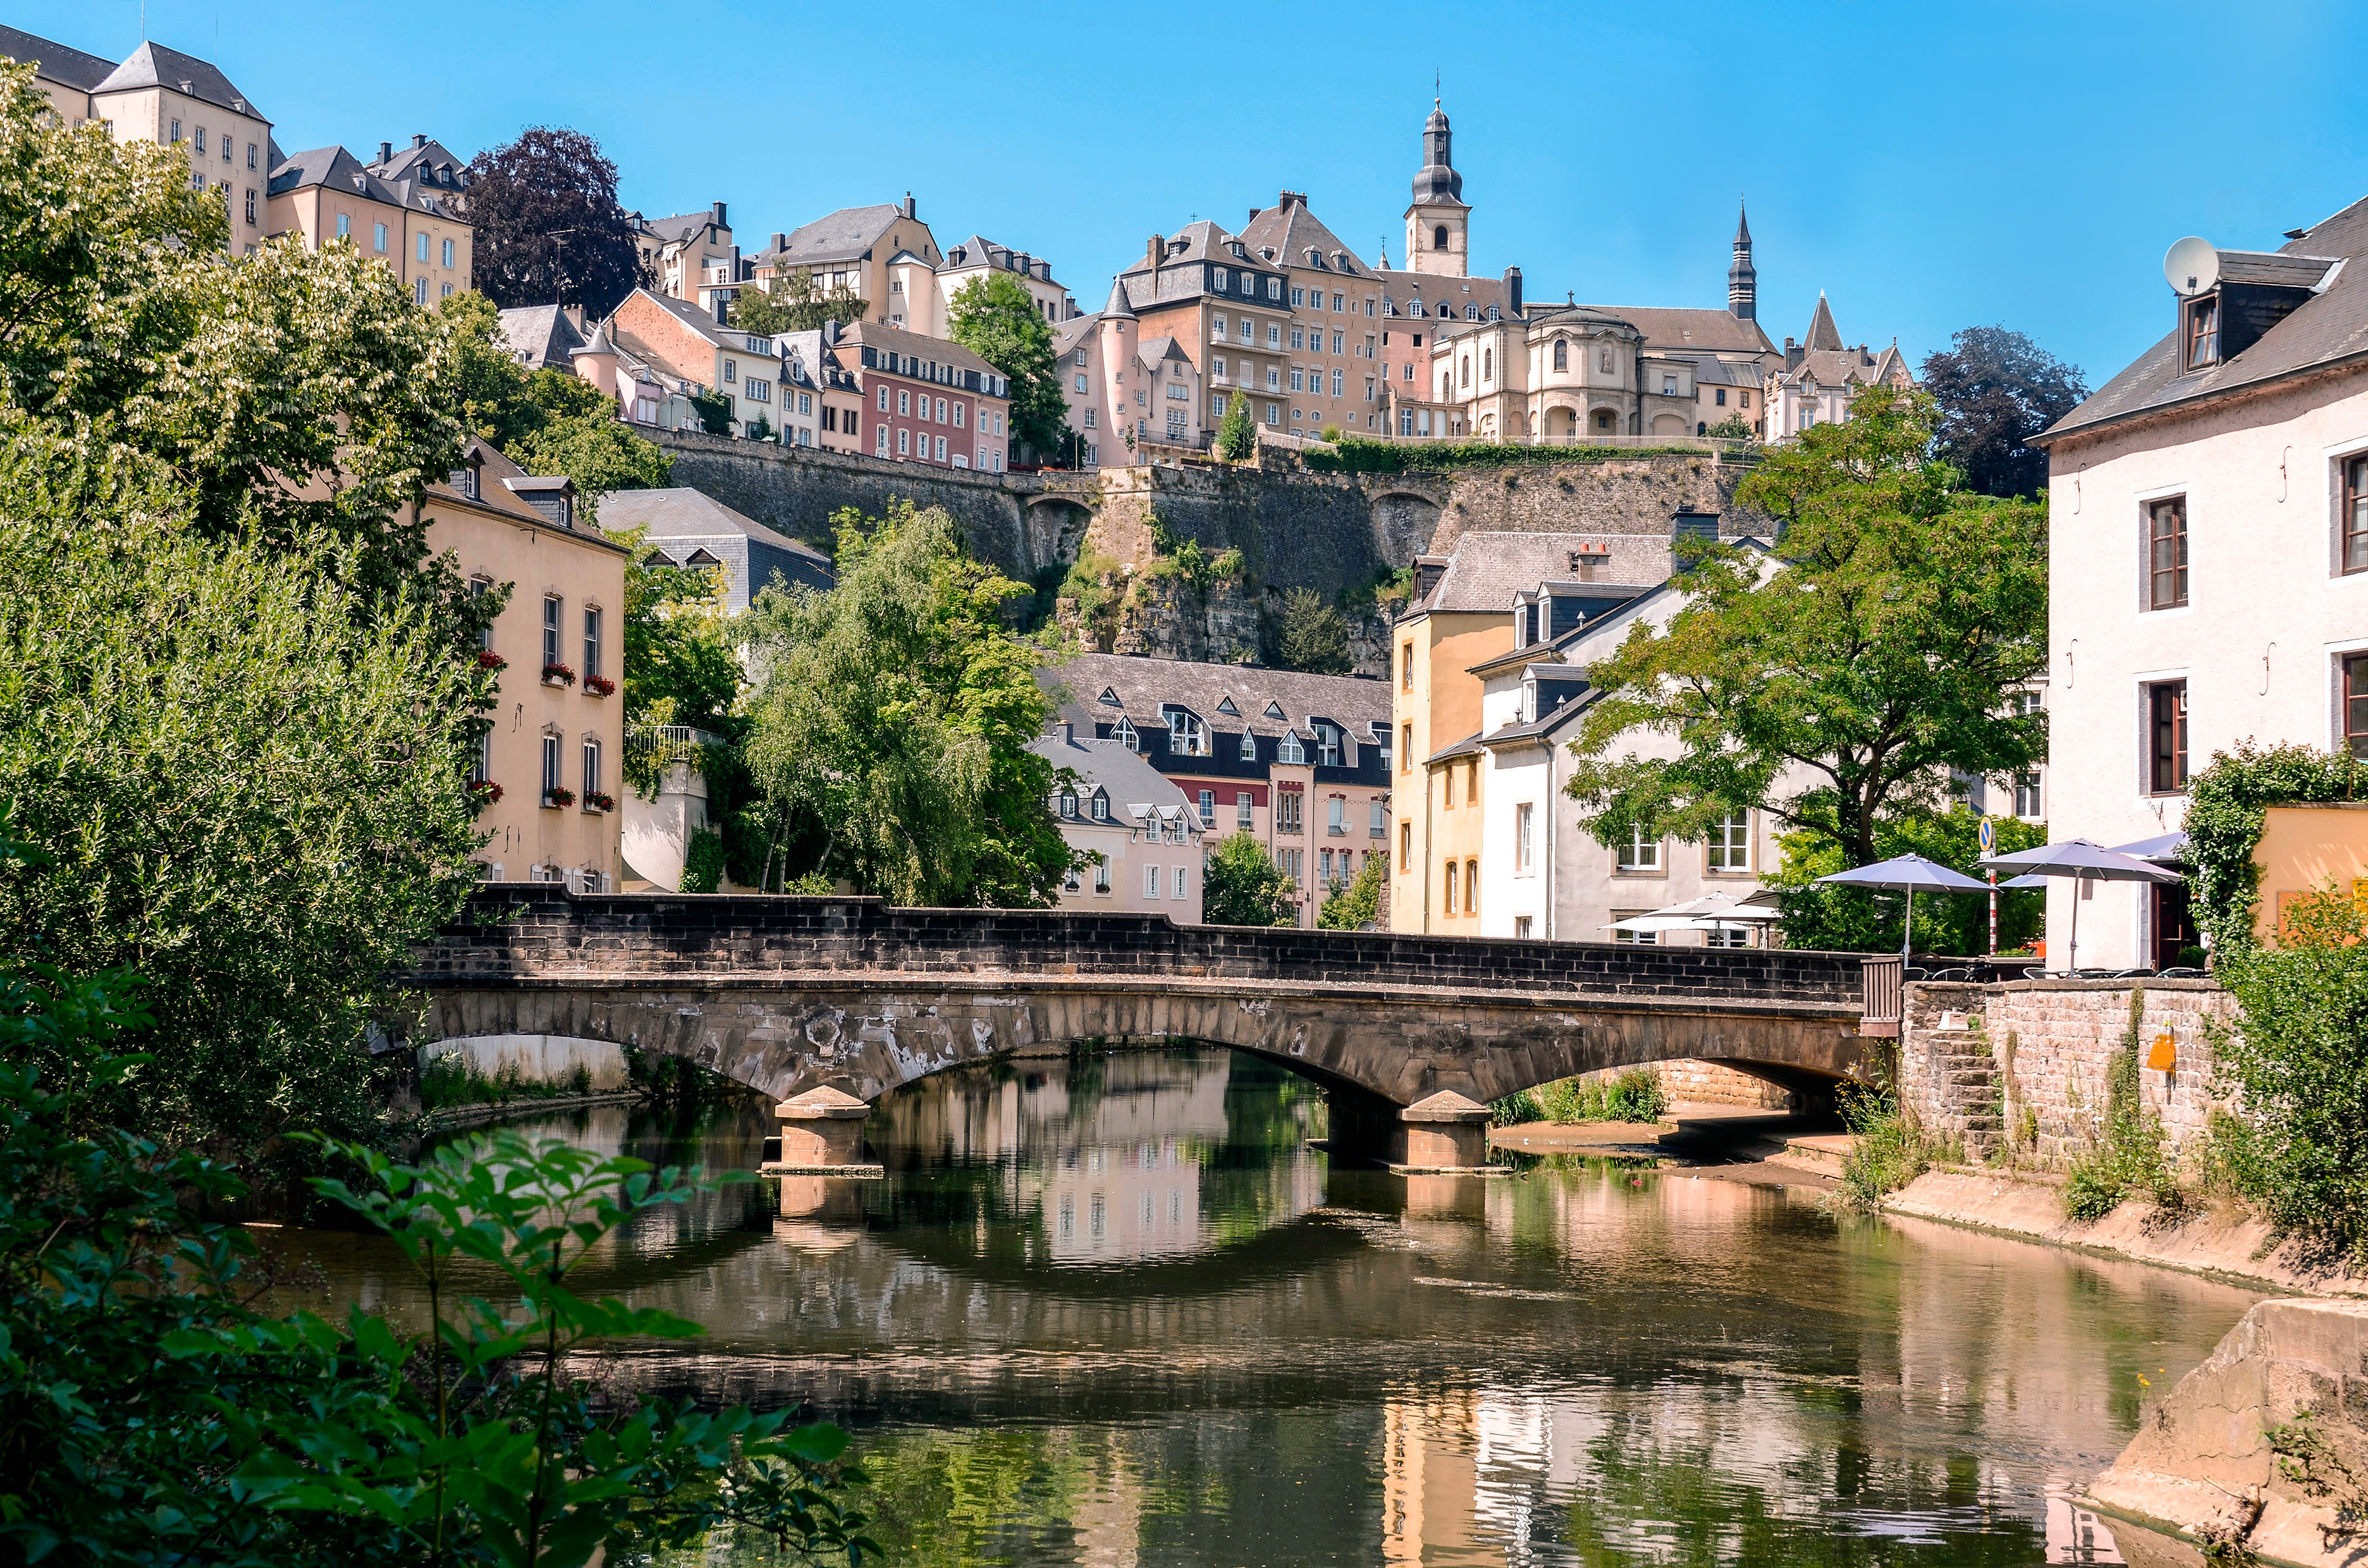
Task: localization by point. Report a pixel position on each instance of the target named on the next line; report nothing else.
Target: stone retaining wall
(2027, 1061)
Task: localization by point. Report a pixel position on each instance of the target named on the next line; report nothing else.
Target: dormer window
(1250, 746)
(1125, 734)
(1291, 752)
(1069, 805)
(1274, 711)
(1101, 808)
(1187, 736)
(1109, 694)
(2203, 332)
(1225, 705)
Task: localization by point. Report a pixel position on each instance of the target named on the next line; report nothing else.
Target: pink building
(925, 400)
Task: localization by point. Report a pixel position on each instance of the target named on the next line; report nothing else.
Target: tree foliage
(1996, 390)
(1356, 905)
(1875, 649)
(892, 721)
(156, 1417)
(2228, 804)
(1241, 885)
(1237, 430)
(549, 229)
(794, 304)
(1862, 920)
(1314, 635)
(995, 318)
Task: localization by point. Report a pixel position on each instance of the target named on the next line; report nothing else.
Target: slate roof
(1400, 289)
(335, 167)
(1140, 685)
(419, 161)
(1292, 230)
(980, 251)
(1822, 333)
(678, 520)
(920, 346)
(1675, 330)
(2331, 328)
(1832, 368)
(55, 61)
(1136, 789)
(541, 335)
(153, 65)
(843, 236)
(1486, 570)
(682, 225)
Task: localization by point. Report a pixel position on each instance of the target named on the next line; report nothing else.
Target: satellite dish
(2192, 265)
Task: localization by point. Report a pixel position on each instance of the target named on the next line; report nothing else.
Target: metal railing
(661, 746)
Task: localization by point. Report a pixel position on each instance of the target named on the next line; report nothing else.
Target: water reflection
(1114, 1311)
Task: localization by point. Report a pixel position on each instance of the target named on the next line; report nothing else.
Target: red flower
(485, 789)
(489, 660)
(560, 797)
(598, 801)
(599, 685)
(559, 673)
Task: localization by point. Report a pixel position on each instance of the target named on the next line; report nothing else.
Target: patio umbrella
(1911, 874)
(2085, 862)
(2171, 846)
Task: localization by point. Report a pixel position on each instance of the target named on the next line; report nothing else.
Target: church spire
(1742, 278)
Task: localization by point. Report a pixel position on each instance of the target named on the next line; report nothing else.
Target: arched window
(1487, 363)
(1438, 237)
(1446, 385)
(1562, 353)
(1606, 361)
(1467, 369)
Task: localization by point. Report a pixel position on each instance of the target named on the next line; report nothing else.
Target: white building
(1822, 376)
(1146, 833)
(2208, 557)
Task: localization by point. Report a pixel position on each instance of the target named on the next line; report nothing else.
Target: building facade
(1128, 394)
(1146, 844)
(2208, 563)
(549, 768)
(1228, 309)
(1822, 376)
(411, 223)
(1300, 762)
(857, 251)
(927, 399)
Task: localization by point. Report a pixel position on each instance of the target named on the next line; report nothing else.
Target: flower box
(599, 685)
(489, 660)
(554, 799)
(485, 790)
(558, 674)
(597, 801)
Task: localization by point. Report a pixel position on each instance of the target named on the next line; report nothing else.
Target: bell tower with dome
(1438, 222)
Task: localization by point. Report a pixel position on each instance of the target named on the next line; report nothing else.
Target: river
(1115, 1311)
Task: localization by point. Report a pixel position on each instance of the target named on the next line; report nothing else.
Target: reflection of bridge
(799, 996)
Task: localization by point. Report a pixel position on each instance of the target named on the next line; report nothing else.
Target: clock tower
(1438, 223)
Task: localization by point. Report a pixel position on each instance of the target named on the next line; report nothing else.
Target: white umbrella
(2085, 862)
(1644, 924)
(1910, 874)
(1719, 907)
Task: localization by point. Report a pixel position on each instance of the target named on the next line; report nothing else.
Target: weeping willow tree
(890, 725)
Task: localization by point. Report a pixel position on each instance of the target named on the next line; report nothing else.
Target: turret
(1438, 222)
(1742, 279)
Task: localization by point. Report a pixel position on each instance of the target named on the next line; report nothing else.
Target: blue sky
(1927, 166)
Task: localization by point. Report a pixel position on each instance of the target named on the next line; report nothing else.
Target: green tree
(1875, 650)
(1242, 886)
(1733, 427)
(240, 782)
(892, 721)
(1356, 905)
(1846, 919)
(995, 318)
(156, 1417)
(1237, 431)
(1314, 635)
(794, 304)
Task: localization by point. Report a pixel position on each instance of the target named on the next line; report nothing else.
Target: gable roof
(55, 61)
(680, 227)
(1487, 569)
(1674, 328)
(843, 236)
(1142, 684)
(1291, 231)
(1400, 289)
(540, 335)
(920, 346)
(2326, 330)
(153, 65)
(1136, 789)
(334, 168)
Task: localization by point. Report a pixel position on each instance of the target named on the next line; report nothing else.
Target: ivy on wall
(2228, 804)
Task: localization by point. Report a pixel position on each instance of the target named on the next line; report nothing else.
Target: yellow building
(329, 197)
(1461, 616)
(553, 762)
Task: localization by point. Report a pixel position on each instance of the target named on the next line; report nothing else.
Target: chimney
(385, 154)
(575, 314)
(418, 139)
(717, 217)
(1513, 290)
(1151, 249)
(830, 335)
(1254, 212)
(1068, 732)
(779, 241)
(910, 210)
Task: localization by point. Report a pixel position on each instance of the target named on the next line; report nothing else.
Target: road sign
(1990, 837)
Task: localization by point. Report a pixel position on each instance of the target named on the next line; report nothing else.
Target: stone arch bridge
(827, 1002)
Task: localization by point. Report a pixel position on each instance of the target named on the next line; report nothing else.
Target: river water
(1115, 1311)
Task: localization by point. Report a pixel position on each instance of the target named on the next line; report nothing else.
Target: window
(1223, 277)
(1447, 903)
(941, 416)
(884, 440)
(1124, 733)
(1187, 736)
(1336, 820)
(345, 226)
(903, 443)
(250, 154)
(1471, 887)
(2167, 734)
(2167, 554)
(591, 770)
(1091, 423)
(2355, 514)
(2026, 795)
(1520, 927)
(552, 607)
(1525, 859)
(904, 403)
(1070, 883)
(2204, 332)
(250, 207)
(1719, 397)
(1273, 334)
(419, 291)
(731, 372)
(591, 642)
(1151, 881)
(1487, 363)
(1605, 361)
(1291, 752)
(1377, 822)
(1640, 853)
(1639, 939)
(1179, 881)
(1467, 371)
(1217, 401)
(421, 249)
(1438, 241)
(1250, 746)
(1101, 808)
(941, 449)
(1068, 803)
(1562, 353)
(378, 238)
(1101, 876)
(447, 252)
(550, 763)
(1405, 845)
(883, 400)
(1730, 843)
(2355, 703)
(1288, 805)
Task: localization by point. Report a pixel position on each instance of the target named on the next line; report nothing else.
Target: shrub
(702, 862)
(1634, 1095)
(2226, 804)
(1887, 1149)
(2128, 1157)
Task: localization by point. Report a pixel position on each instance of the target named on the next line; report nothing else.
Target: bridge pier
(822, 1134)
(1443, 1133)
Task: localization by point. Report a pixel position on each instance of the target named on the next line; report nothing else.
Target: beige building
(978, 257)
(871, 252)
(1143, 835)
(1573, 373)
(174, 99)
(409, 223)
(692, 257)
(1228, 309)
(1819, 379)
(550, 767)
(656, 340)
(1335, 378)
(1127, 394)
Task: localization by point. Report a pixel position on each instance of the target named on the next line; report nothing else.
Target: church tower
(1742, 281)
(1438, 223)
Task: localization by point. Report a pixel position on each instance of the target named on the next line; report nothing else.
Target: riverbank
(1727, 1142)
(452, 1119)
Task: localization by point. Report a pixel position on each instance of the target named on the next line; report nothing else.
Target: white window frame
(1641, 855)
